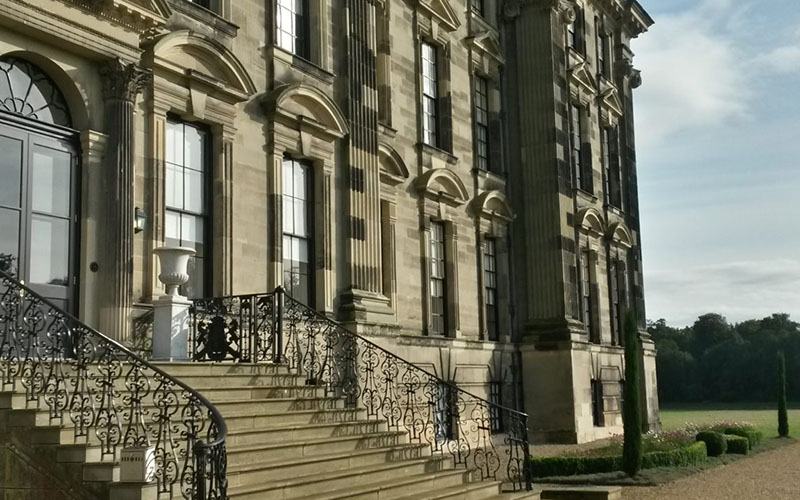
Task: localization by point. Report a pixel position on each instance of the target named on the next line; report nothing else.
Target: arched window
(25, 90)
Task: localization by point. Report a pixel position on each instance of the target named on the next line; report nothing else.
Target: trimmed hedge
(716, 444)
(737, 444)
(753, 436)
(693, 454)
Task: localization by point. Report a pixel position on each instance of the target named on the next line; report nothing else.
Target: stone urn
(174, 264)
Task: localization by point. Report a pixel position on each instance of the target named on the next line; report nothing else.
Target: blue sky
(718, 144)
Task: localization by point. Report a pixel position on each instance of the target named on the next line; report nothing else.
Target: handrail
(432, 410)
(207, 479)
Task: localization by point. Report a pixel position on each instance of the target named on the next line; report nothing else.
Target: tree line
(713, 360)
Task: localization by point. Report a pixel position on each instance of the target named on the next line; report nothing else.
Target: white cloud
(737, 290)
(784, 59)
(694, 72)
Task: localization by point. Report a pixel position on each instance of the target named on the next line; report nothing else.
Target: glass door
(38, 212)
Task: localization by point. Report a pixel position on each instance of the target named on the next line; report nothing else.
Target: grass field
(764, 416)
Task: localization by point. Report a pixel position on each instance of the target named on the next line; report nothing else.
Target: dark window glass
(600, 46)
(495, 413)
(187, 199)
(490, 285)
(438, 280)
(202, 3)
(575, 31)
(429, 95)
(611, 166)
(443, 412)
(25, 90)
(575, 142)
(297, 231)
(597, 403)
(291, 19)
(477, 6)
(586, 292)
(615, 305)
(481, 102)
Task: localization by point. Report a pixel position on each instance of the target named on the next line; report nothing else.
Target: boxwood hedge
(737, 444)
(753, 436)
(716, 444)
(692, 454)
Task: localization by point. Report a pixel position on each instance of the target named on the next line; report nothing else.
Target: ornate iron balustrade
(111, 396)
(480, 435)
(236, 328)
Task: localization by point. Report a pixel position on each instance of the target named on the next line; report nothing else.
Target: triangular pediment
(488, 43)
(443, 12)
(609, 100)
(580, 75)
(139, 14)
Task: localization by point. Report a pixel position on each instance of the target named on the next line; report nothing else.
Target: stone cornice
(139, 16)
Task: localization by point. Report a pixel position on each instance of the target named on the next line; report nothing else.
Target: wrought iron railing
(236, 328)
(482, 436)
(112, 397)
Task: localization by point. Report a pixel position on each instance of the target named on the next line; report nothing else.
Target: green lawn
(764, 416)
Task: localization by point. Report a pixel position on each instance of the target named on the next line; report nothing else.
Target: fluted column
(365, 297)
(122, 83)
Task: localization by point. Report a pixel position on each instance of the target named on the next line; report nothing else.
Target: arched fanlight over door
(25, 90)
(39, 187)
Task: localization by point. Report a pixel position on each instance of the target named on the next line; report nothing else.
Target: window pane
(192, 233)
(10, 171)
(195, 148)
(172, 226)
(288, 177)
(9, 236)
(194, 195)
(300, 218)
(49, 253)
(173, 186)
(300, 181)
(51, 181)
(174, 144)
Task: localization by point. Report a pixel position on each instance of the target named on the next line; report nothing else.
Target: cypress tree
(632, 444)
(783, 417)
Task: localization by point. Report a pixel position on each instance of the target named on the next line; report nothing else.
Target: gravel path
(772, 475)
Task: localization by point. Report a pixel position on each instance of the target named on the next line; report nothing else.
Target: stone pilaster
(122, 83)
(364, 300)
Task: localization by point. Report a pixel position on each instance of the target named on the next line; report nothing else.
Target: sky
(718, 154)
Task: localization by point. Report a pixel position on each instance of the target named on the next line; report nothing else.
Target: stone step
(305, 432)
(286, 451)
(236, 407)
(518, 495)
(281, 487)
(18, 400)
(188, 368)
(410, 486)
(291, 418)
(212, 380)
(482, 490)
(293, 467)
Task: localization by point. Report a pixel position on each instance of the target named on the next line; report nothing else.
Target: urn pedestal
(171, 311)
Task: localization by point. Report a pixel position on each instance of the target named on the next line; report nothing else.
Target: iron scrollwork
(482, 436)
(109, 395)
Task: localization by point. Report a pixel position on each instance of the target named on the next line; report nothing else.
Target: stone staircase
(286, 440)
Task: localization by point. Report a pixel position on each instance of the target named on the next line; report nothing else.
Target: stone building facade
(403, 166)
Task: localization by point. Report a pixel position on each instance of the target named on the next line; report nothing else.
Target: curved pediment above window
(619, 233)
(303, 105)
(493, 205)
(440, 184)
(442, 12)
(206, 63)
(591, 220)
(393, 168)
